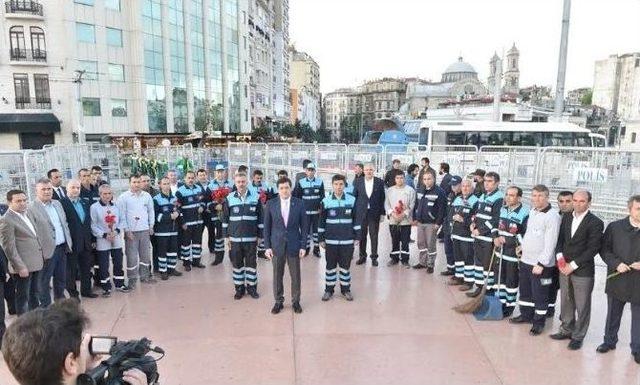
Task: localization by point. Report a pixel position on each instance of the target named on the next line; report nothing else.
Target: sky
(358, 40)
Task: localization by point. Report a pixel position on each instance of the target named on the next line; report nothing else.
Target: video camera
(123, 356)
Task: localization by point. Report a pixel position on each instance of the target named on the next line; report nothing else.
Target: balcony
(28, 56)
(23, 9)
(33, 103)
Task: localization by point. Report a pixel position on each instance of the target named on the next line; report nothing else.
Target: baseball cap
(311, 166)
(220, 167)
(455, 180)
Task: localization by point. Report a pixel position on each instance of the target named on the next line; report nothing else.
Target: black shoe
(164, 276)
(347, 295)
(106, 293)
(327, 296)
(447, 273)
(187, 267)
(551, 313)
(574, 345)
(393, 262)
(149, 280)
(261, 254)
(90, 295)
(199, 265)
(239, 294)
(476, 292)
(405, 264)
(605, 348)
(253, 292)
(361, 260)
(126, 289)
(636, 358)
(374, 262)
(418, 266)
(297, 308)
(216, 262)
(560, 336)
(453, 281)
(519, 320)
(175, 273)
(465, 286)
(277, 308)
(429, 270)
(536, 330)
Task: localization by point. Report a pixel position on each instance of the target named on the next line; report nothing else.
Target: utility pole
(562, 61)
(497, 91)
(80, 128)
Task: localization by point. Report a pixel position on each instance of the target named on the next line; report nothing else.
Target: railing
(32, 55)
(33, 103)
(24, 7)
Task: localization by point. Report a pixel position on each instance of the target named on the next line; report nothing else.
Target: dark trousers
(338, 265)
(448, 249)
(278, 263)
(534, 294)
(553, 289)
(118, 273)
(615, 307)
(243, 259)
(27, 292)
(482, 258)
(400, 242)
(9, 293)
(215, 241)
(191, 246)
(463, 252)
(79, 262)
(56, 268)
(370, 225)
(314, 220)
(166, 250)
(2, 315)
(576, 299)
(154, 254)
(507, 272)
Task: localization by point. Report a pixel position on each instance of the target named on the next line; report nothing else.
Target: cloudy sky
(356, 40)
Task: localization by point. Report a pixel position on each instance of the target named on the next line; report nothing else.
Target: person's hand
(356, 242)
(537, 270)
(218, 207)
(184, 227)
(499, 241)
(150, 231)
(635, 266)
(174, 215)
(302, 253)
(458, 218)
(414, 223)
(623, 268)
(519, 250)
(200, 210)
(23, 273)
(269, 254)
(436, 228)
(129, 235)
(323, 244)
(134, 377)
(111, 236)
(475, 232)
(227, 242)
(566, 269)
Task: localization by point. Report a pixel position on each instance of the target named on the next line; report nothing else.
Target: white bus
(487, 133)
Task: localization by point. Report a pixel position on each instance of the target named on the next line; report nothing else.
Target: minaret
(512, 72)
(491, 80)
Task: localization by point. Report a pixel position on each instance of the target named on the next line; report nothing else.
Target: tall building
(510, 72)
(381, 98)
(305, 79)
(88, 68)
(338, 105)
(281, 98)
(261, 60)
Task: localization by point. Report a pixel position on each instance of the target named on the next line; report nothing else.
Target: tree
(323, 135)
(350, 129)
(587, 98)
(261, 133)
(307, 135)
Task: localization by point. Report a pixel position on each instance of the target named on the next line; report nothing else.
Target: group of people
(493, 242)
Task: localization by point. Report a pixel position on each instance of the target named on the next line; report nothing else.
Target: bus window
(524, 139)
(559, 139)
(456, 138)
(472, 139)
(424, 136)
(371, 137)
(583, 140)
(438, 138)
(496, 139)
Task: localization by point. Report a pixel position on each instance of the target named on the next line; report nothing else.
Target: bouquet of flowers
(110, 220)
(219, 196)
(263, 196)
(398, 210)
(562, 263)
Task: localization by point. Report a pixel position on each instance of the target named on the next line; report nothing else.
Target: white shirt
(368, 186)
(284, 208)
(577, 219)
(61, 193)
(26, 221)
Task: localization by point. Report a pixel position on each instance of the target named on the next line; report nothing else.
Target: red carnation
(399, 209)
(263, 196)
(110, 220)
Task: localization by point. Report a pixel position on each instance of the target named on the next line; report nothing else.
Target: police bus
(488, 133)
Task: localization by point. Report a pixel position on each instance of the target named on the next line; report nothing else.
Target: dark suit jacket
(55, 193)
(444, 184)
(584, 245)
(375, 203)
(285, 240)
(80, 231)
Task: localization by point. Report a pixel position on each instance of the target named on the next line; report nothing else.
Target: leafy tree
(587, 98)
(261, 133)
(350, 129)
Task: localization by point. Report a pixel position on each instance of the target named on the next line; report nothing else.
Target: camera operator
(50, 347)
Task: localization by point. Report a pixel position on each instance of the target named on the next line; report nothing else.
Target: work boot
(327, 296)
(239, 292)
(253, 292)
(362, 260)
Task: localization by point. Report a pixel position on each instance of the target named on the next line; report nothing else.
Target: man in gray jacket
(53, 221)
(25, 250)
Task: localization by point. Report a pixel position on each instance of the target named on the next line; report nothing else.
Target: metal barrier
(330, 160)
(237, 155)
(515, 165)
(298, 152)
(462, 160)
(12, 172)
(278, 159)
(363, 153)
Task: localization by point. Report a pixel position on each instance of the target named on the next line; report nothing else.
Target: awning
(29, 123)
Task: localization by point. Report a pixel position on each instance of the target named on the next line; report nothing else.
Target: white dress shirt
(60, 192)
(368, 188)
(577, 219)
(284, 209)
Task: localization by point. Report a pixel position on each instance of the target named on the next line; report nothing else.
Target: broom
(475, 303)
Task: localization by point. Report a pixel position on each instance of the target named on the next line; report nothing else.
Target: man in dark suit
(445, 184)
(369, 194)
(78, 215)
(285, 239)
(578, 243)
(55, 176)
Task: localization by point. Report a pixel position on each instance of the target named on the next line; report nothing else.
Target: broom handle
(500, 270)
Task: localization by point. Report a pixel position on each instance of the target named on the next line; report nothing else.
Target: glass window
(41, 83)
(114, 37)
(85, 2)
(112, 4)
(16, 41)
(85, 33)
(118, 107)
(583, 140)
(558, 139)
(525, 139)
(21, 85)
(91, 106)
(455, 138)
(38, 46)
(116, 72)
(90, 69)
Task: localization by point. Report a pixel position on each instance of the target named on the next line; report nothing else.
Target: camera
(123, 356)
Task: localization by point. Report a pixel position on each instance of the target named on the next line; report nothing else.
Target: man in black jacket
(389, 177)
(578, 243)
(621, 252)
(55, 176)
(445, 183)
(78, 216)
(369, 194)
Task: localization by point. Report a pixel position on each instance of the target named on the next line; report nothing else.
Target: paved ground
(400, 328)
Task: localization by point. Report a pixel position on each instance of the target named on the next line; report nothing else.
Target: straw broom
(475, 303)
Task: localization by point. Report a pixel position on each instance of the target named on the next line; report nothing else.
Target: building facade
(338, 105)
(116, 67)
(305, 79)
(510, 72)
